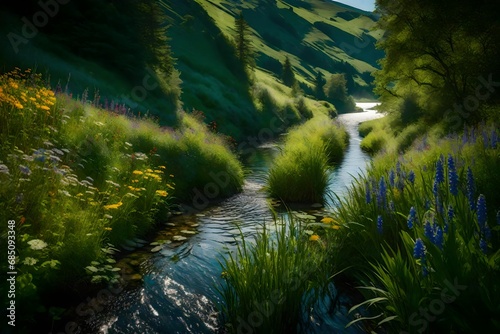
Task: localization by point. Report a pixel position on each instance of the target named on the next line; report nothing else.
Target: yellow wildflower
(18, 105)
(161, 193)
(113, 206)
(162, 167)
(149, 170)
(108, 229)
(327, 220)
(336, 227)
(314, 237)
(171, 175)
(137, 172)
(157, 171)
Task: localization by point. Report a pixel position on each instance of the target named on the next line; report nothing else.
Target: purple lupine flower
(438, 238)
(392, 177)
(412, 217)
(471, 188)
(381, 194)
(411, 177)
(440, 170)
(452, 176)
(419, 249)
(483, 245)
(481, 211)
(428, 231)
(368, 195)
(379, 224)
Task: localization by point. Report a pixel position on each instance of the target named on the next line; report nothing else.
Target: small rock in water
(200, 215)
(179, 238)
(170, 224)
(188, 232)
(194, 225)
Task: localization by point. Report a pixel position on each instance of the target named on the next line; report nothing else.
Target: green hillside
(104, 49)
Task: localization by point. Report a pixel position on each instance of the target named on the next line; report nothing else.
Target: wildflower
(24, 169)
(483, 245)
(161, 193)
(171, 175)
(428, 231)
(381, 194)
(39, 155)
(162, 167)
(336, 227)
(314, 237)
(137, 172)
(440, 170)
(29, 261)
(481, 212)
(379, 224)
(438, 238)
(392, 177)
(327, 220)
(44, 108)
(412, 217)
(108, 229)
(368, 195)
(37, 244)
(419, 249)
(113, 206)
(411, 177)
(470, 189)
(108, 216)
(452, 176)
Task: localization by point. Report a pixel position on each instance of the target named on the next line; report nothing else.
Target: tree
(439, 49)
(319, 83)
(336, 93)
(287, 74)
(244, 50)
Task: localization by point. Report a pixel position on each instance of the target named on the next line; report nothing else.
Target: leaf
(92, 269)
(370, 302)
(387, 319)
(116, 269)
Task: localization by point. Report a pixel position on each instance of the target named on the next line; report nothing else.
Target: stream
(172, 288)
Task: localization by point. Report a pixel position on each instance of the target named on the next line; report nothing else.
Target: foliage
(336, 93)
(300, 172)
(287, 74)
(271, 280)
(319, 84)
(439, 49)
(244, 50)
(421, 232)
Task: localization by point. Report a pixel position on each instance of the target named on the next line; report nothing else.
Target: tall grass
(80, 182)
(424, 232)
(272, 280)
(300, 173)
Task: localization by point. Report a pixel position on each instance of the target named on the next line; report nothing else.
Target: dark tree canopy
(243, 43)
(287, 74)
(439, 50)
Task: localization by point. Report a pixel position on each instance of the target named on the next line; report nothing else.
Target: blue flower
(481, 211)
(428, 231)
(419, 249)
(452, 176)
(381, 195)
(379, 224)
(39, 155)
(483, 245)
(411, 177)
(412, 217)
(440, 170)
(368, 195)
(438, 237)
(392, 177)
(471, 188)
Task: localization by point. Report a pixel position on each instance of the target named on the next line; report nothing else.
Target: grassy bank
(300, 173)
(79, 182)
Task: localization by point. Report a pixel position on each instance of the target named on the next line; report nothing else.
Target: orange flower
(314, 237)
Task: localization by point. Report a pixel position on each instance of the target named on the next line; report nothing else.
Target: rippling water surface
(176, 293)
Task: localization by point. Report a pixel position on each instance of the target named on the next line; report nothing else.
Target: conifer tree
(287, 74)
(319, 83)
(243, 43)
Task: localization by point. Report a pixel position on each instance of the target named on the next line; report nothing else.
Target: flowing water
(172, 289)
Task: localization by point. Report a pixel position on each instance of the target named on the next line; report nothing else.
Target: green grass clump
(271, 280)
(300, 173)
(80, 182)
(421, 222)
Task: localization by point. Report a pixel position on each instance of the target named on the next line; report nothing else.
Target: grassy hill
(82, 49)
